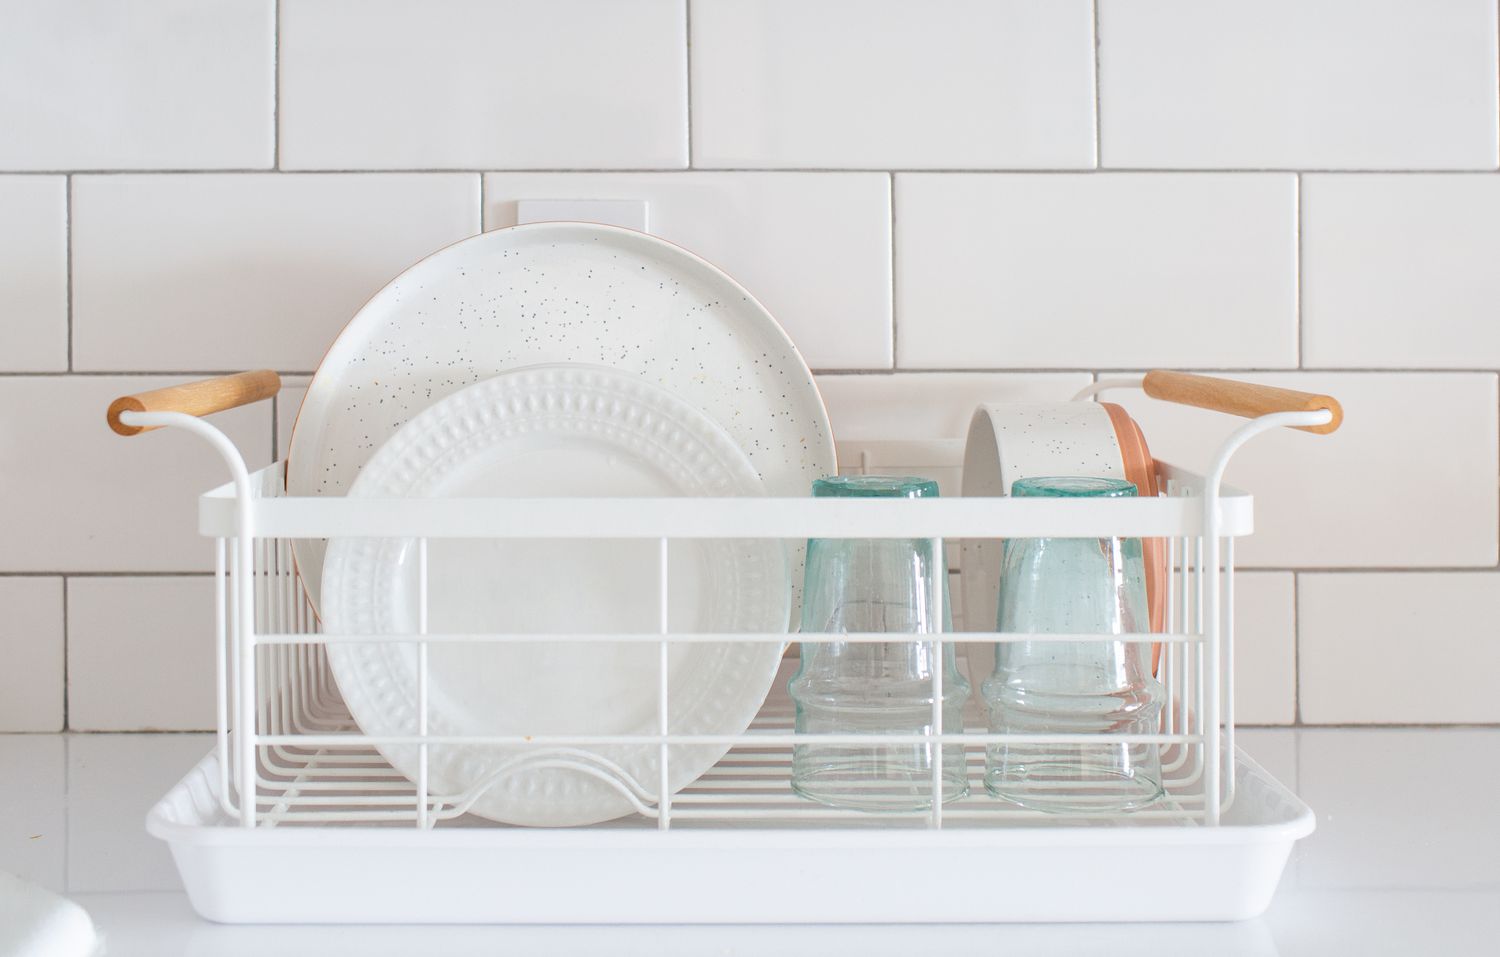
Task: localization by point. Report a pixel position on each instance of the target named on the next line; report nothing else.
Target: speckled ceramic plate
(555, 431)
(559, 292)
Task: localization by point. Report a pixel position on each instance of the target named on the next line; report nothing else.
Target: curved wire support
(572, 759)
(244, 586)
(1213, 763)
(191, 423)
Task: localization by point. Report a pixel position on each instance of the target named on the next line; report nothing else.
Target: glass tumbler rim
(874, 486)
(1072, 486)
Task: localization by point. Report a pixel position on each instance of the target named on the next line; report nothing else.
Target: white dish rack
(296, 817)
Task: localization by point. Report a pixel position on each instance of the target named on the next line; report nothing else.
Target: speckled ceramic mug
(1009, 441)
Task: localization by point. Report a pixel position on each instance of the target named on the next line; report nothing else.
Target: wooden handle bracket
(1240, 398)
(196, 398)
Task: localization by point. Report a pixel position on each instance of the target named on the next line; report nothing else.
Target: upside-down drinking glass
(1073, 586)
(846, 687)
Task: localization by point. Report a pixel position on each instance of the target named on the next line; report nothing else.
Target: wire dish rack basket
(297, 816)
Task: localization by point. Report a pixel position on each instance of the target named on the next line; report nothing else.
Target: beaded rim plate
(570, 431)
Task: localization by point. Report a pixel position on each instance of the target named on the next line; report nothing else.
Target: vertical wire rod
(1211, 530)
(664, 793)
(1184, 617)
(221, 675)
(233, 668)
(262, 624)
(422, 682)
(940, 576)
(245, 722)
(1206, 670)
(1169, 653)
(1179, 658)
(283, 621)
(244, 530)
(1226, 669)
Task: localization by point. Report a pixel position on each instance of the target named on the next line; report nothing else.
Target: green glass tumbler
(1073, 586)
(847, 687)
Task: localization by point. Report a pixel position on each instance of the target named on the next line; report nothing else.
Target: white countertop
(1406, 860)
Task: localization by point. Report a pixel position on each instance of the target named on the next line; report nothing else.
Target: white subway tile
(114, 778)
(1399, 271)
(1403, 809)
(1265, 648)
(80, 498)
(815, 248)
(518, 84)
(152, 84)
(1408, 480)
(33, 274)
(1095, 271)
(931, 405)
(1287, 84)
(141, 654)
(1399, 647)
(953, 84)
(288, 404)
(31, 654)
(226, 271)
(33, 792)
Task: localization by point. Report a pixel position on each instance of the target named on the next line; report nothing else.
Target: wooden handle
(196, 398)
(1240, 398)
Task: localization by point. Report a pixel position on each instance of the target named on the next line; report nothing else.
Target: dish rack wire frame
(288, 752)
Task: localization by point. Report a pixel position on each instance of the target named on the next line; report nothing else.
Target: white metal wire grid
(289, 752)
(284, 727)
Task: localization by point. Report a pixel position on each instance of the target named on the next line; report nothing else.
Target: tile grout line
(1239, 567)
(139, 373)
(873, 370)
(481, 202)
(54, 573)
(1051, 370)
(68, 261)
(67, 847)
(890, 199)
(1123, 370)
(1297, 268)
(276, 86)
(1296, 650)
(102, 732)
(1385, 726)
(1098, 114)
(65, 652)
(687, 85)
(626, 170)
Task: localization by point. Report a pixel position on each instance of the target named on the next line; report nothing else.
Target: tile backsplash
(943, 202)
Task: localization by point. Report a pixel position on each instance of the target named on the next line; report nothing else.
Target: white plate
(559, 292)
(555, 431)
(1015, 440)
